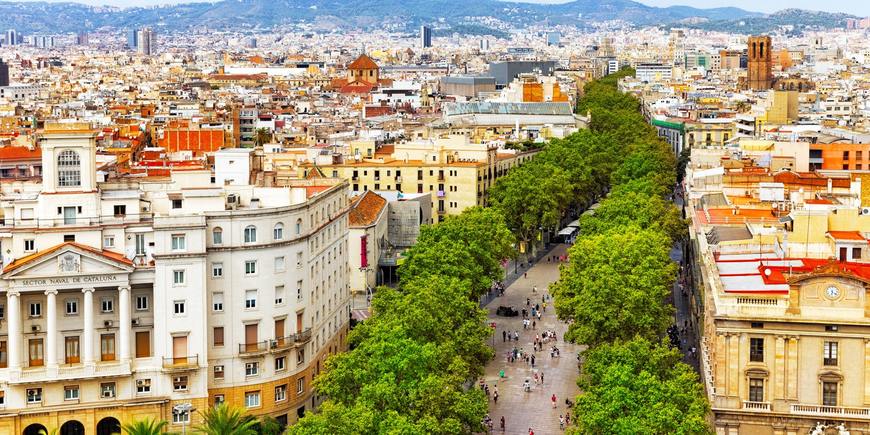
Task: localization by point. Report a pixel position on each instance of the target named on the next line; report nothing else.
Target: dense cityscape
(513, 218)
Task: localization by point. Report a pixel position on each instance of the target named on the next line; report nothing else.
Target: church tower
(759, 63)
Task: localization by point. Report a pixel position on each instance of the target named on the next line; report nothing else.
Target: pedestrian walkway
(523, 410)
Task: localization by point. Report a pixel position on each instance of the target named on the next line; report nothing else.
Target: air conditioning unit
(273, 344)
(218, 369)
(178, 379)
(108, 393)
(108, 323)
(135, 322)
(140, 383)
(35, 328)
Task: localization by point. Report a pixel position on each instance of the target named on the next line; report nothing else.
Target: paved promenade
(523, 410)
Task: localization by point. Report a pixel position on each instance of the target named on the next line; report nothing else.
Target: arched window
(69, 169)
(278, 231)
(217, 236)
(298, 226)
(250, 234)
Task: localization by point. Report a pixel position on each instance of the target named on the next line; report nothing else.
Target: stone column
(867, 372)
(792, 368)
(88, 327)
(779, 370)
(13, 313)
(734, 365)
(51, 329)
(126, 319)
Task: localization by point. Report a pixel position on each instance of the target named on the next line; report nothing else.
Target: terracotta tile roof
(20, 153)
(363, 62)
(846, 235)
(114, 256)
(365, 209)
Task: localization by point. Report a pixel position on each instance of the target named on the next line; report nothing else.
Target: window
(181, 417)
(107, 305)
(298, 226)
(140, 244)
(29, 245)
(300, 385)
(35, 309)
(217, 236)
(856, 253)
(829, 393)
(109, 242)
(280, 363)
(68, 169)
(279, 264)
(179, 383)
(299, 290)
(250, 267)
(756, 349)
(278, 231)
(34, 395)
(251, 299)
(107, 390)
(252, 399)
(218, 336)
(71, 350)
(107, 347)
(141, 303)
(71, 392)
(72, 307)
(143, 344)
(217, 270)
(250, 234)
(217, 302)
(300, 356)
(120, 210)
(281, 393)
(218, 399)
(756, 390)
(279, 294)
(845, 155)
(176, 204)
(143, 386)
(218, 372)
(178, 277)
(830, 353)
(252, 369)
(179, 307)
(178, 242)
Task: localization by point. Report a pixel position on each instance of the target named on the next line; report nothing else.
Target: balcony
(282, 343)
(440, 194)
(831, 411)
(181, 363)
(71, 372)
(756, 406)
(302, 337)
(398, 178)
(253, 349)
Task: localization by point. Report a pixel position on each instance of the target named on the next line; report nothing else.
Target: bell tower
(759, 63)
(68, 158)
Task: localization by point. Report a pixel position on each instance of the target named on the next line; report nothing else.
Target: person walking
(532, 359)
(561, 422)
(516, 336)
(504, 336)
(502, 423)
(553, 399)
(542, 378)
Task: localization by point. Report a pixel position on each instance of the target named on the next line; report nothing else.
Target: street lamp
(183, 410)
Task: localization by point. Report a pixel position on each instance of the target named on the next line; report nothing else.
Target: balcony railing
(303, 337)
(282, 343)
(831, 411)
(83, 221)
(254, 348)
(756, 406)
(181, 362)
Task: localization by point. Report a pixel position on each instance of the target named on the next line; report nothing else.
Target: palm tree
(226, 420)
(145, 427)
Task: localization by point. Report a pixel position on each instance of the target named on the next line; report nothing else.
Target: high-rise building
(82, 38)
(11, 37)
(146, 40)
(484, 44)
(4, 73)
(425, 37)
(759, 63)
(133, 38)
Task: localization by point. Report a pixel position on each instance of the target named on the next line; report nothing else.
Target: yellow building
(708, 133)
(458, 174)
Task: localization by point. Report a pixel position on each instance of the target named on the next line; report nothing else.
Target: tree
(226, 420)
(262, 136)
(147, 426)
(615, 286)
(639, 386)
(268, 425)
(633, 208)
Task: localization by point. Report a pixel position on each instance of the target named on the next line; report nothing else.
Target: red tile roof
(363, 62)
(365, 209)
(114, 256)
(20, 153)
(846, 235)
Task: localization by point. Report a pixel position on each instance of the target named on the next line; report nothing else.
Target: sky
(855, 7)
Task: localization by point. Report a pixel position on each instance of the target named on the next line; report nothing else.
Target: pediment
(68, 260)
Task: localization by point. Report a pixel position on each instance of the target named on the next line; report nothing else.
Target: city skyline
(853, 7)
